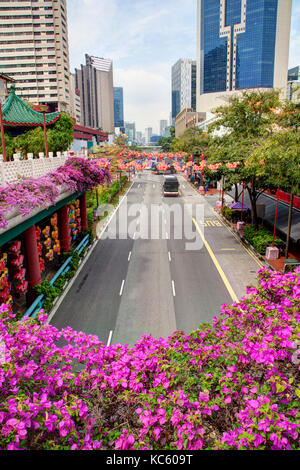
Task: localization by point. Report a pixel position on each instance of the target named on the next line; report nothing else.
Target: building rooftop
(17, 113)
(5, 77)
(104, 65)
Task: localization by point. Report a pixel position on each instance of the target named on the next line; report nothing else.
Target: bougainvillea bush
(230, 385)
(77, 175)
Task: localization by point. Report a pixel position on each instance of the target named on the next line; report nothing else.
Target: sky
(144, 38)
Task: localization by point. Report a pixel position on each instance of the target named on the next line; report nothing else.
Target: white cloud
(144, 38)
(147, 94)
(294, 58)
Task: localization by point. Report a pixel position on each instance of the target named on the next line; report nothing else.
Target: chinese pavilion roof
(16, 113)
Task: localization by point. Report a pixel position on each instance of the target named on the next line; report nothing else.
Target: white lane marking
(173, 288)
(167, 236)
(139, 186)
(154, 186)
(129, 257)
(122, 287)
(134, 235)
(109, 338)
(170, 259)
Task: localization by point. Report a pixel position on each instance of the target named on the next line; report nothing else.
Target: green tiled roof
(17, 113)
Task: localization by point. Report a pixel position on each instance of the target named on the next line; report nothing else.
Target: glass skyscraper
(184, 82)
(238, 44)
(118, 107)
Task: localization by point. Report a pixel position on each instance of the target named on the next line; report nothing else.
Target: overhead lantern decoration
(232, 166)
(215, 167)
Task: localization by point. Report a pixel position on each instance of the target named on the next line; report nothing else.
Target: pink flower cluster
(230, 385)
(77, 175)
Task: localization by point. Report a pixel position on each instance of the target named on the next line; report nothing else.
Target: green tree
(281, 153)
(9, 145)
(59, 138)
(121, 140)
(193, 141)
(166, 142)
(248, 120)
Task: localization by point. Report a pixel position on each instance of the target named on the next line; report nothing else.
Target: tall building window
(237, 44)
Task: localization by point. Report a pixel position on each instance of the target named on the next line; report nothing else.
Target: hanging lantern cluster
(16, 263)
(55, 235)
(75, 219)
(40, 249)
(48, 243)
(5, 285)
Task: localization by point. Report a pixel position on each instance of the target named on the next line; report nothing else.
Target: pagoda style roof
(4, 76)
(16, 113)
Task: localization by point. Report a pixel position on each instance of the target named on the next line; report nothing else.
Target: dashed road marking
(129, 257)
(122, 287)
(173, 288)
(170, 259)
(109, 338)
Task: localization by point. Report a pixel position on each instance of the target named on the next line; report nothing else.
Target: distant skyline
(144, 38)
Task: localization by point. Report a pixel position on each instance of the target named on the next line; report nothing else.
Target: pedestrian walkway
(213, 195)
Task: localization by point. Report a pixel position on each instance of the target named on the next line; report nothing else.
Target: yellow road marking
(216, 263)
(235, 236)
(240, 242)
(227, 249)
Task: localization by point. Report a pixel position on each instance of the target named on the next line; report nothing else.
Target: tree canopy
(59, 138)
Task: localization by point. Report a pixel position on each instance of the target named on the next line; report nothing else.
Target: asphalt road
(138, 285)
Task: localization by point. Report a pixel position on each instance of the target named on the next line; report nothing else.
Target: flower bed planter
(231, 385)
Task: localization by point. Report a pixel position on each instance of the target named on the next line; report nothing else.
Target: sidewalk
(213, 195)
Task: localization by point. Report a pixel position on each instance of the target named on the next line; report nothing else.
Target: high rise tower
(95, 83)
(242, 44)
(34, 50)
(183, 86)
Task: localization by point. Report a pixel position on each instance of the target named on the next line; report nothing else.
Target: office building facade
(94, 80)
(75, 101)
(119, 108)
(293, 85)
(163, 124)
(148, 134)
(34, 50)
(184, 73)
(242, 44)
(130, 131)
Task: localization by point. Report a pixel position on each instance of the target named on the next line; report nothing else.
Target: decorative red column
(83, 213)
(33, 262)
(64, 229)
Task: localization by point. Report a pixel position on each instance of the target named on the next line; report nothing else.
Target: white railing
(32, 167)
